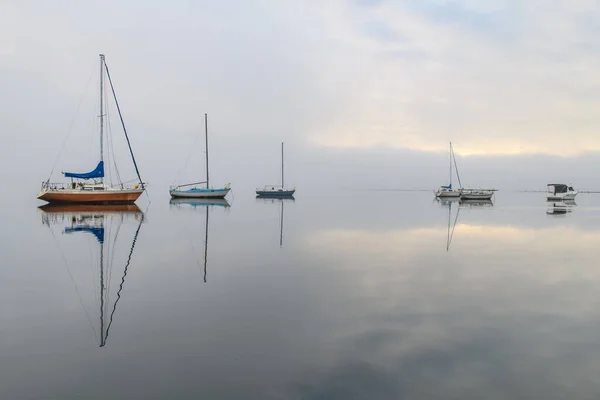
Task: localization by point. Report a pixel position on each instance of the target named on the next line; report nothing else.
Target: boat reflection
(476, 203)
(560, 207)
(198, 202)
(449, 202)
(201, 202)
(281, 200)
(101, 221)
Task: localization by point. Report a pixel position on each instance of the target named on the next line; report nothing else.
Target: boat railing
(47, 185)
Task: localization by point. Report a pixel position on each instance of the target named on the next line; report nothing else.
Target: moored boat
(477, 194)
(560, 191)
(277, 190)
(196, 190)
(447, 191)
(90, 187)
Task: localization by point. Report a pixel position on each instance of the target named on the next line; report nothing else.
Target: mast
(101, 108)
(450, 159)
(282, 181)
(206, 146)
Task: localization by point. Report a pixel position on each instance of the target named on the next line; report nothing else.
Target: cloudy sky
(360, 90)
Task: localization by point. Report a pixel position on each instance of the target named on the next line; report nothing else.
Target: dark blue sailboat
(277, 190)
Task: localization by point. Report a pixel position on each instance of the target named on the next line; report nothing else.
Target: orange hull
(91, 197)
(62, 208)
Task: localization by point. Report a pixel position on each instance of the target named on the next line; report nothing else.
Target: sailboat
(448, 191)
(206, 203)
(98, 221)
(191, 190)
(276, 190)
(90, 187)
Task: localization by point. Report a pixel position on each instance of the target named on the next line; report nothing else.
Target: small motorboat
(560, 192)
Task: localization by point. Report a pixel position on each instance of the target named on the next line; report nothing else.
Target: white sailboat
(448, 191)
(195, 189)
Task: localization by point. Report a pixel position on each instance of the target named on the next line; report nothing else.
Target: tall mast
(450, 159)
(101, 108)
(282, 181)
(206, 146)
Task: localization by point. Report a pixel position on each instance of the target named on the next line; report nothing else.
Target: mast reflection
(281, 200)
(100, 221)
(195, 203)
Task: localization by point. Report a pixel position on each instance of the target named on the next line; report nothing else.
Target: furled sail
(98, 172)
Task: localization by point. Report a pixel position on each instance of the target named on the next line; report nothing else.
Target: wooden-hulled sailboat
(99, 221)
(195, 190)
(276, 190)
(448, 191)
(90, 187)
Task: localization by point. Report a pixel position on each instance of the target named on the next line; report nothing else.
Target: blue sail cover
(98, 232)
(96, 173)
(447, 187)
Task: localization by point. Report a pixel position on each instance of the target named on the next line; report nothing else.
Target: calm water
(362, 295)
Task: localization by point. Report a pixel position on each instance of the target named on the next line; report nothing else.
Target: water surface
(361, 295)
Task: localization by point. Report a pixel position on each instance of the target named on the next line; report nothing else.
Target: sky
(364, 93)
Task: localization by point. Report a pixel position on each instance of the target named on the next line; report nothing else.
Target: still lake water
(361, 297)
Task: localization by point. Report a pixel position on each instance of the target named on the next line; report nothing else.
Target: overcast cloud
(362, 91)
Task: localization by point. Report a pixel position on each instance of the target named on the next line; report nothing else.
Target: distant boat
(477, 194)
(559, 192)
(277, 190)
(89, 187)
(447, 191)
(194, 190)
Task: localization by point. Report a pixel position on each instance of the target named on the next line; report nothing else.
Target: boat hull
(91, 197)
(275, 193)
(477, 196)
(200, 193)
(558, 197)
(448, 194)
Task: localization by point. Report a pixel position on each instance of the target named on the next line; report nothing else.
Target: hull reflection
(103, 223)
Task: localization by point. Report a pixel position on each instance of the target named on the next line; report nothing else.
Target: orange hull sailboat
(90, 187)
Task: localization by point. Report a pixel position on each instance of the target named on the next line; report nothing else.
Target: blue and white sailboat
(277, 190)
(196, 190)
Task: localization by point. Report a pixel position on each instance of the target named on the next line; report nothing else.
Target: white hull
(562, 196)
(477, 196)
(217, 194)
(448, 193)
